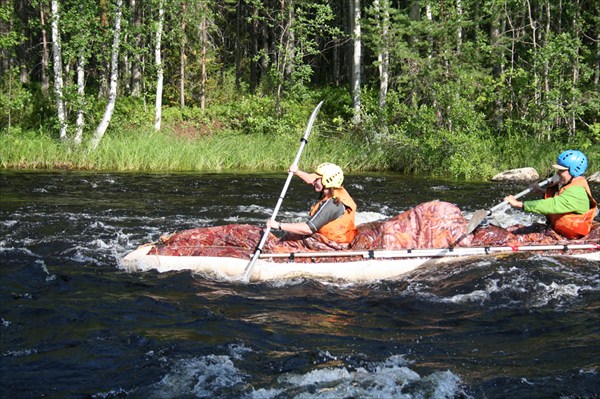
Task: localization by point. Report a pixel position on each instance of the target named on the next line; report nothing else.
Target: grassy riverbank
(157, 151)
(245, 133)
(165, 151)
(170, 150)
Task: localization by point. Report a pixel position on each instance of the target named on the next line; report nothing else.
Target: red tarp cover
(434, 224)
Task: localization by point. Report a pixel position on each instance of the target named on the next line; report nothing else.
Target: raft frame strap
(434, 252)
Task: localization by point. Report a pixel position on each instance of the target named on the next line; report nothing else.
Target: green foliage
(10, 39)
(465, 106)
(257, 115)
(449, 138)
(15, 101)
(411, 147)
(130, 113)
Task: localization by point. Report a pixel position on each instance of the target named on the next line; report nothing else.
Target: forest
(457, 88)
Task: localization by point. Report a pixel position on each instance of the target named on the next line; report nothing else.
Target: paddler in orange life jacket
(333, 215)
(568, 205)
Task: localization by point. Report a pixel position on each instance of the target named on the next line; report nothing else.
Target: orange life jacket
(343, 229)
(573, 225)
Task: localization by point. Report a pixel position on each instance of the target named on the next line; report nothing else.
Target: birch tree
(114, 74)
(254, 75)
(80, 97)
(159, 67)
(285, 48)
(356, 58)
(45, 56)
(82, 41)
(534, 25)
(136, 70)
(203, 78)
(182, 57)
(238, 46)
(382, 14)
(58, 70)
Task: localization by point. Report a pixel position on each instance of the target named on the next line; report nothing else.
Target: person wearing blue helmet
(568, 204)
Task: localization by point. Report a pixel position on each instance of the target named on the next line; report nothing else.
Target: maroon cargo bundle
(434, 224)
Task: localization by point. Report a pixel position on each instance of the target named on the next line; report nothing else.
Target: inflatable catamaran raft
(374, 265)
(433, 233)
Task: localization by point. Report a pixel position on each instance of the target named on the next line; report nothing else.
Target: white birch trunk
(285, 57)
(182, 58)
(204, 77)
(58, 72)
(136, 74)
(533, 25)
(429, 16)
(546, 63)
(383, 57)
(80, 97)
(356, 59)
(126, 71)
(159, 68)
(576, 70)
(45, 56)
(114, 73)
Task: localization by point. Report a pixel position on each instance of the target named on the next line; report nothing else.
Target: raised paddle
(303, 141)
(481, 214)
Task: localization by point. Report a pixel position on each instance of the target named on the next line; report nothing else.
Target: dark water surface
(74, 325)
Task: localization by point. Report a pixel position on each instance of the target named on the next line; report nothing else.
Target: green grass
(147, 150)
(163, 151)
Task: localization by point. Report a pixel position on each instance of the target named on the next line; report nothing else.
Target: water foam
(213, 375)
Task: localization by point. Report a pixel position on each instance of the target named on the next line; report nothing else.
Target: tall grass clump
(33, 150)
(161, 151)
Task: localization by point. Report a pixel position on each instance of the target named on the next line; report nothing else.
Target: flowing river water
(73, 324)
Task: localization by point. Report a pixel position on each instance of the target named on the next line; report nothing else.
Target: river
(75, 325)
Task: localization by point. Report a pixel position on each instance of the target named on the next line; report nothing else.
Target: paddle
(481, 214)
(303, 141)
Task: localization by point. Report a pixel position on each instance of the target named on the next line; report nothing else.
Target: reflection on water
(73, 324)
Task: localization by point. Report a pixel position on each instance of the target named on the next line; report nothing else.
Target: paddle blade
(476, 220)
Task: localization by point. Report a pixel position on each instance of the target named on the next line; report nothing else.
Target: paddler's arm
(308, 178)
(327, 212)
(512, 201)
(296, 228)
(573, 199)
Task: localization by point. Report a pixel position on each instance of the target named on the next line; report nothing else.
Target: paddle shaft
(481, 214)
(303, 141)
(522, 193)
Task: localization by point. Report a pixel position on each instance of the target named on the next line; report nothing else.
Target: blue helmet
(574, 160)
